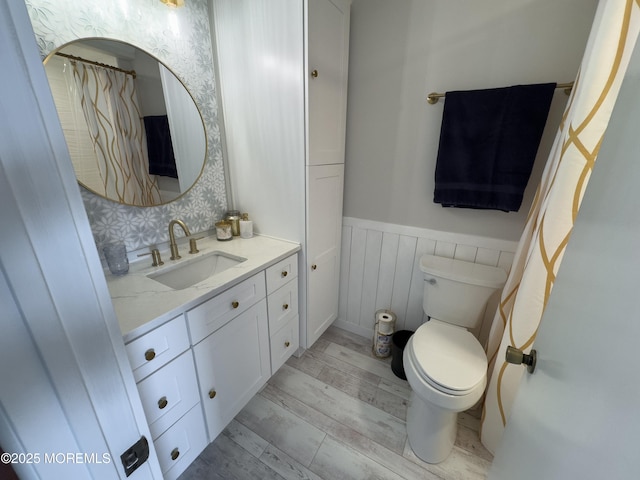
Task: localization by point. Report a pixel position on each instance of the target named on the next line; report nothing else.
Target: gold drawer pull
(314, 266)
(284, 273)
(162, 403)
(235, 304)
(314, 73)
(212, 393)
(175, 453)
(149, 355)
(286, 344)
(285, 306)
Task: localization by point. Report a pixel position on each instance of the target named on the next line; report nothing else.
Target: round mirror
(134, 132)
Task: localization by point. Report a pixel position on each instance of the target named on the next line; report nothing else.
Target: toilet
(445, 365)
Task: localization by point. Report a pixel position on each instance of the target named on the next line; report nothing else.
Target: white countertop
(142, 304)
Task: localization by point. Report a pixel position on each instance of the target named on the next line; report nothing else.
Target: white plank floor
(336, 413)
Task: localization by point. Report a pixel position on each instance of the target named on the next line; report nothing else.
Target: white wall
(403, 49)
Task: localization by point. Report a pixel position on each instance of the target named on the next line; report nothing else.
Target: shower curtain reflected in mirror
(116, 131)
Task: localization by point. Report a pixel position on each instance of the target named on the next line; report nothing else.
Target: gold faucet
(172, 238)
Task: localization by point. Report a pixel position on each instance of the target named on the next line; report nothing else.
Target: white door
(328, 63)
(578, 414)
(324, 213)
(68, 401)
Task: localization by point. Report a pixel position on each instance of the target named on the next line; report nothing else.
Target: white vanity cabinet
(283, 68)
(197, 371)
(241, 337)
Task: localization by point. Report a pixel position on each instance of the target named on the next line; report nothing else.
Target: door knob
(517, 357)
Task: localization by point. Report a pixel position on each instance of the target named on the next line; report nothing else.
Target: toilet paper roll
(385, 320)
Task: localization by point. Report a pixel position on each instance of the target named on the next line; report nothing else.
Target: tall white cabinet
(282, 70)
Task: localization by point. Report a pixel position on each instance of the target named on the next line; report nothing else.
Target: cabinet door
(232, 364)
(324, 210)
(328, 61)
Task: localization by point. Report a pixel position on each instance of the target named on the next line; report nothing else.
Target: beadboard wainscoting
(380, 269)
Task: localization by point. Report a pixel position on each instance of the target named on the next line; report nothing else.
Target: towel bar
(433, 97)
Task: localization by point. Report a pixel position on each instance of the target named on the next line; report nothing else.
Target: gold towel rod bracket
(433, 97)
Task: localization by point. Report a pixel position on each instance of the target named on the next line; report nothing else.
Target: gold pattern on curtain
(556, 204)
(110, 107)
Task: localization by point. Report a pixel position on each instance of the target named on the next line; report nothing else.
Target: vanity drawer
(181, 444)
(169, 393)
(213, 314)
(283, 305)
(284, 343)
(281, 273)
(158, 347)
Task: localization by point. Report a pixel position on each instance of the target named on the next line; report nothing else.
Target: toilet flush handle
(430, 281)
(517, 357)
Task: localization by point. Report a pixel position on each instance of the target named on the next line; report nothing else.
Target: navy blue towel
(488, 143)
(159, 146)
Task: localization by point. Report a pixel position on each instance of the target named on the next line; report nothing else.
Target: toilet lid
(450, 358)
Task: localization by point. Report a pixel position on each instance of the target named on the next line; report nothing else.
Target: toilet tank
(456, 291)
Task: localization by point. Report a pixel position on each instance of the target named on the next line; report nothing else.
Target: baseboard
(353, 328)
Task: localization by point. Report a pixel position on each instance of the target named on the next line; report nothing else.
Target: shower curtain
(110, 107)
(555, 206)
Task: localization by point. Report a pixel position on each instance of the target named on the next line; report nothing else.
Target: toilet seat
(448, 357)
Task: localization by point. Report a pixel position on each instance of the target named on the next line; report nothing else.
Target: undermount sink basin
(193, 271)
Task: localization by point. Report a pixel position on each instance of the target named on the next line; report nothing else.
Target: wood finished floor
(335, 413)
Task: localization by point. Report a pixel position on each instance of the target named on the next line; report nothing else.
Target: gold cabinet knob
(175, 453)
(149, 355)
(284, 273)
(285, 306)
(286, 344)
(212, 393)
(162, 403)
(235, 304)
(314, 266)
(314, 73)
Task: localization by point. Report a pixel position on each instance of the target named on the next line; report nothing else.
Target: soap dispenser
(246, 226)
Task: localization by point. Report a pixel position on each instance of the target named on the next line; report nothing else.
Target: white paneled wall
(380, 269)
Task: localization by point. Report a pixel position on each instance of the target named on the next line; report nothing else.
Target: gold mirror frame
(121, 47)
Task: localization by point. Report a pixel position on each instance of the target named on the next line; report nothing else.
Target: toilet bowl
(445, 365)
(446, 368)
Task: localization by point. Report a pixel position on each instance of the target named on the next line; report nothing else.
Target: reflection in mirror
(134, 133)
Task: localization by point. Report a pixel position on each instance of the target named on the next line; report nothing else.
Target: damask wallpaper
(180, 38)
